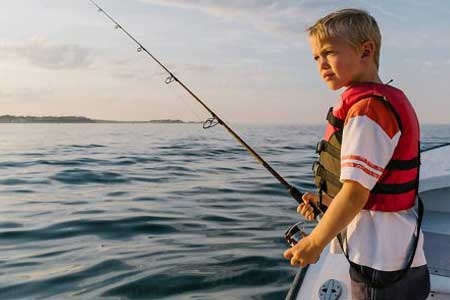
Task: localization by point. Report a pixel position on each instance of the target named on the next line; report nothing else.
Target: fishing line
(214, 119)
(189, 105)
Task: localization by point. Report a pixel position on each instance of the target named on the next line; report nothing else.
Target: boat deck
(436, 228)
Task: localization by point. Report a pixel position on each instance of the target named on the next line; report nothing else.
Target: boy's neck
(368, 77)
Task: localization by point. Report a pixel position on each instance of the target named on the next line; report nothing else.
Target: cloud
(44, 54)
(133, 70)
(26, 95)
(285, 19)
(387, 11)
(428, 64)
(288, 19)
(199, 68)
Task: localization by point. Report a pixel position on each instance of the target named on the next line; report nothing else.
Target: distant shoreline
(81, 120)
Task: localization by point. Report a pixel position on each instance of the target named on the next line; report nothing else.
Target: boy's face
(338, 63)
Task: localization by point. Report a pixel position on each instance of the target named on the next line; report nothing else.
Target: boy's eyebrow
(322, 50)
(325, 48)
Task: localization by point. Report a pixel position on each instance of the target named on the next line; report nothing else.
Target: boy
(368, 169)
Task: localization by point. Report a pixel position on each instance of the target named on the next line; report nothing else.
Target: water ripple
(107, 229)
(84, 176)
(18, 181)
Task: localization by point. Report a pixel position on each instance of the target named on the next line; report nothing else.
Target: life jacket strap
(333, 120)
(328, 148)
(325, 175)
(403, 164)
(391, 188)
(322, 206)
(339, 123)
(391, 108)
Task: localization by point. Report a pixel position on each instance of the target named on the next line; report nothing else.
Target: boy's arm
(341, 211)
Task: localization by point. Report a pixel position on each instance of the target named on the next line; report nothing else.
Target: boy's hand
(341, 210)
(305, 209)
(306, 252)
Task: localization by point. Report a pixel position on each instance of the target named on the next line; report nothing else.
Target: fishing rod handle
(297, 195)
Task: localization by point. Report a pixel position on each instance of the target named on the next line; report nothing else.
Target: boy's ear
(366, 53)
(367, 49)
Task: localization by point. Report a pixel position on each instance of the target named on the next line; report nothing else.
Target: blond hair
(355, 26)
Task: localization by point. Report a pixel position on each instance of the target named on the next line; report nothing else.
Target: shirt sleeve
(370, 136)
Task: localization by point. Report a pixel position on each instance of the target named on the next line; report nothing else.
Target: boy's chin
(334, 86)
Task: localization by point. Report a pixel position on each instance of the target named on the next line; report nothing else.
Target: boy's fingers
(305, 211)
(287, 254)
(307, 215)
(306, 197)
(294, 262)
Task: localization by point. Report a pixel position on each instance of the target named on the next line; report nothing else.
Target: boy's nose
(323, 64)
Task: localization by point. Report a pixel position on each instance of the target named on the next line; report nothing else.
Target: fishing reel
(295, 233)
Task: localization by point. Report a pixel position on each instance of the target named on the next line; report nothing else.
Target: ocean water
(146, 211)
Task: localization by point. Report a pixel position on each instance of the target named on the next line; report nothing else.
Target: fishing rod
(435, 147)
(215, 119)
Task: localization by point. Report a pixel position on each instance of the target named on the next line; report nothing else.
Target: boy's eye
(329, 52)
(316, 58)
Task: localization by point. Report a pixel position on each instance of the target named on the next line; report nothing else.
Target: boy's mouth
(328, 76)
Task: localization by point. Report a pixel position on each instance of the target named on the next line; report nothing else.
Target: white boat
(328, 279)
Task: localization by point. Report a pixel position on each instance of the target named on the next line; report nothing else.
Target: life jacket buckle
(320, 146)
(315, 167)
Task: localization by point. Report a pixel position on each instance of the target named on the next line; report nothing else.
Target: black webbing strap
(419, 214)
(330, 149)
(334, 121)
(394, 188)
(391, 108)
(326, 175)
(403, 164)
(401, 273)
(322, 206)
(418, 227)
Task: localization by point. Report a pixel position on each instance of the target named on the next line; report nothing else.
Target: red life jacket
(397, 187)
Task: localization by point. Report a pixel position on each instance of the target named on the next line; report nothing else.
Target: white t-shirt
(379, 240)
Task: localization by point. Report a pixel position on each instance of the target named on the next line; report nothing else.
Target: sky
(249, 60)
